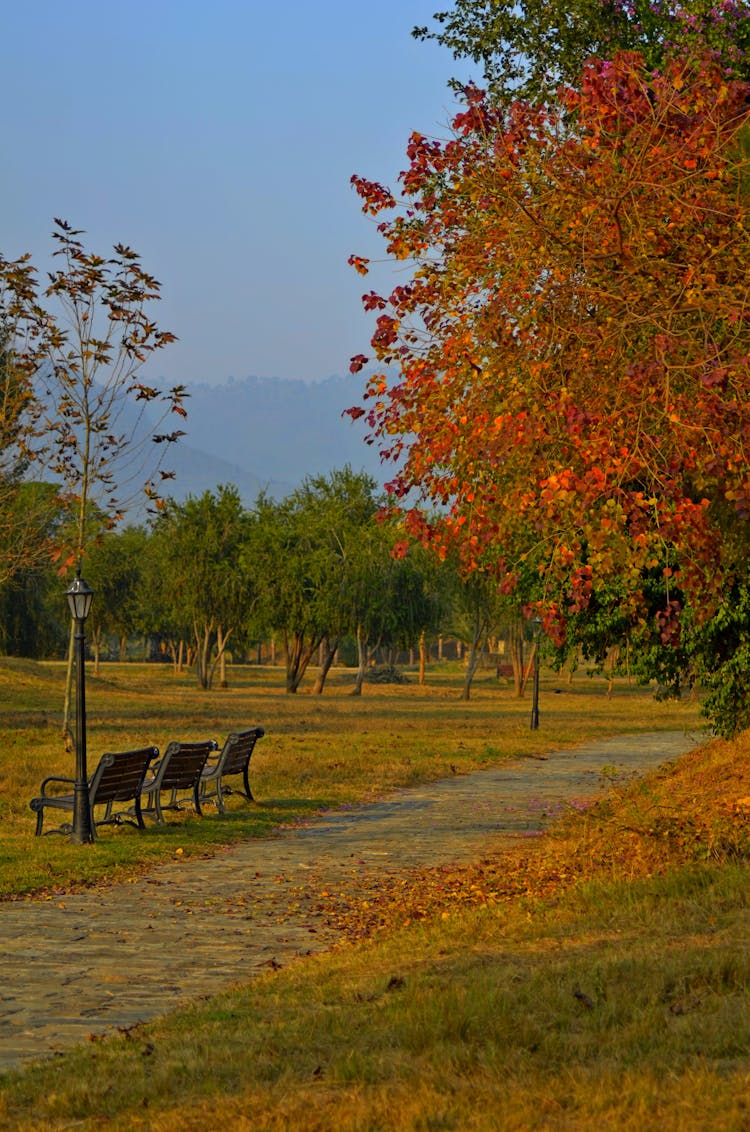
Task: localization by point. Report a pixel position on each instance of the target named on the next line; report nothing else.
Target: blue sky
(218, 140)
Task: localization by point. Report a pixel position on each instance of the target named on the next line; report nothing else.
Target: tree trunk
(613, 660)
(123, 648)
(96, 648)
(422, 658)
(476, 650)
(515, 643)
(298, 656)
(221, 655)
(365, 654)
(66, 732)
(203, 642)
(326, 658)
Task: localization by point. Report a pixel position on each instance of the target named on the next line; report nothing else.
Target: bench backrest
(237, 750)
(119, 775)
(181, 764)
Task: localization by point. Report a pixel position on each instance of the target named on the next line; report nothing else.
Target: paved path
(112, 957)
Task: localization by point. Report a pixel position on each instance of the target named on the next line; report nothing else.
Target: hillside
(268, 433)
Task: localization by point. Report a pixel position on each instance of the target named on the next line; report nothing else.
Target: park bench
(119, 777)
(232, 759)
(178, 770)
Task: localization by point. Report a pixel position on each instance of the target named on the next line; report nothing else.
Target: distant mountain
(269, 433)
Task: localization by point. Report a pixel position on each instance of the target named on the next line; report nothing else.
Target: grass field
(597, 978)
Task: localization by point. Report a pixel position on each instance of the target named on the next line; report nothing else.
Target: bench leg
(248, 791)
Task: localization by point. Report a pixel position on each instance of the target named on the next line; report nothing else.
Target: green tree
(478, 611)
(199, 546)
(29, 515)
(305, 553)
(527, 48)
(33, 610)
(114, 569)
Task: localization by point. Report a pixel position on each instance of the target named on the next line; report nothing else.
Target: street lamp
(79, 600)
(535, 697)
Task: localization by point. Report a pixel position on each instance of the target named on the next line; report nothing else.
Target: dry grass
(599, 982)
(318, 752)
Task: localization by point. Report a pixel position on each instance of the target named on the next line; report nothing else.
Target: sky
(218, 140)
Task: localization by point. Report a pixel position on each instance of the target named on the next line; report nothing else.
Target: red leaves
(385, 335)
(668, 624)
(373, 302)
(376, 197)
(572, 342)
(357, 363)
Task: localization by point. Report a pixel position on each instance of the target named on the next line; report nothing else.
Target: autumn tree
(77, 347)
(572, 342)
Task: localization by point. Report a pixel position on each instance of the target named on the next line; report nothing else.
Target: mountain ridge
(269, 434)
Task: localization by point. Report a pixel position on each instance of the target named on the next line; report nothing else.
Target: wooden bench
(178, 770)
(232, 759)
(119, 777)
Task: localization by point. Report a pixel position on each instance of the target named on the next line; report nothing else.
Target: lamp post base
(83, 829)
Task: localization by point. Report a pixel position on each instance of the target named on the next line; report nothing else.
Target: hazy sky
(218, 139)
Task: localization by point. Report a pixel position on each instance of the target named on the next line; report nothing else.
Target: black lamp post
(79, 599)
(535, 696)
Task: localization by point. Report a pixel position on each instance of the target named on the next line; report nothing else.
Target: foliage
(573, 340)
(324, 569)
(114, 570)
(200, 582)
(32, 604)
(478, 611)
(27, 513)
(78, 357)
(721, 650)
(527, 49)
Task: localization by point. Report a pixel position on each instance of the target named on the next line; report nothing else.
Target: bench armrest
(56, 778)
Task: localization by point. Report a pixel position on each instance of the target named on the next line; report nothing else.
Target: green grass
(597, 978)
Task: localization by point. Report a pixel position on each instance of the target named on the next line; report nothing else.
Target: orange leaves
(359, 263)
(573, 342)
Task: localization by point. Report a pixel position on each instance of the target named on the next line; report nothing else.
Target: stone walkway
(111, 957)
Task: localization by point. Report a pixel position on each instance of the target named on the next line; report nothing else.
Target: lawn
(596, 978)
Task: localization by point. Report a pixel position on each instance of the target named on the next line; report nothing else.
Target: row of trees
(313, 571)
(570, 332)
